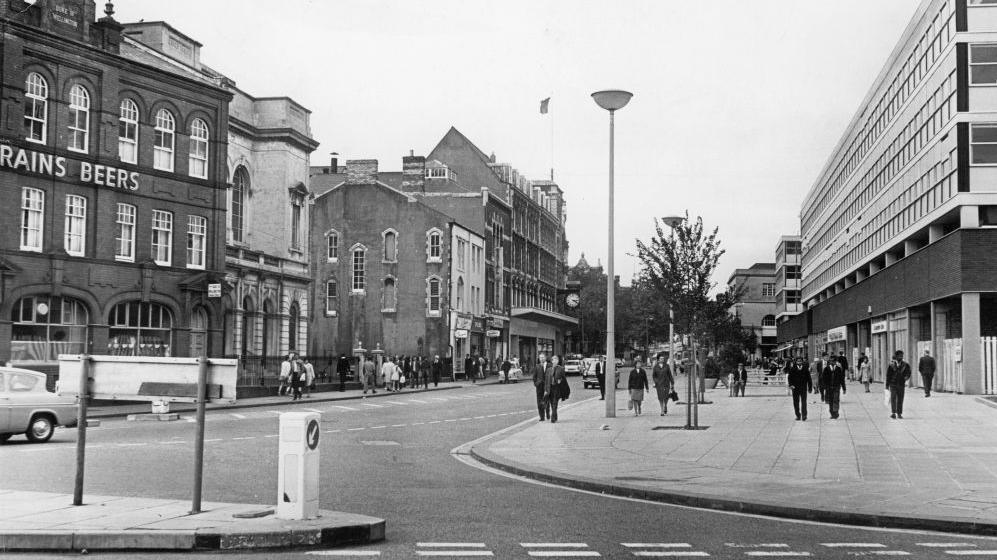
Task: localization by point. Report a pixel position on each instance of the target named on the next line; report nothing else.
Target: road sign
(311, 435)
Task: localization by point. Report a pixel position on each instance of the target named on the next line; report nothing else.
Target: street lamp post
(611, 100)
(672, 222)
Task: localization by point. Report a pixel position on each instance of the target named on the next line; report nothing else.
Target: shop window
(128, 132)
(46, 326)
(165, 137)
(79, 119)
(35, 108)
(140, 329)
(198, 159)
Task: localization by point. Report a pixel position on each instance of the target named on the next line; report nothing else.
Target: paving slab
(934, 469)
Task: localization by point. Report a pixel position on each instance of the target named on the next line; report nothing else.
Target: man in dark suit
(539, 371)
(468, 366)
(553, 377)
(926, 366)
(897, 375)
(801, 384)
(343, 369)
(834, 385)
(600, 375)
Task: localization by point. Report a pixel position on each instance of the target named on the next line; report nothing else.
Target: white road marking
(671, 553)
(343, 407)
(780, 553)
(879, 553)
(372, 405)
(398, 425)
(972, 552)
(553, 545)
(355, 429)
(454, 553)
(313, 410)
(418, 423)
(171, 442)
(344, 552)
(853, 545)
(418, 401)
(242, 438)
(944, 544)
(377, 427)
(563, 553)
(211, 440)
(398, 403)
(656, 545)
(131, 444)
(277, 435)
(451, 544)
(277, 412)
(239, 416)
(435, 421)
(327, 431)
(190, 419)
(451, 420)
(757, 545)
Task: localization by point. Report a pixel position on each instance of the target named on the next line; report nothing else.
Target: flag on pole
(543, 106)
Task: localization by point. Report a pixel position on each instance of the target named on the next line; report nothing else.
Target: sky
(737, 104)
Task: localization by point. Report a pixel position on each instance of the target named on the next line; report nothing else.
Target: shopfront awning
(544, 316)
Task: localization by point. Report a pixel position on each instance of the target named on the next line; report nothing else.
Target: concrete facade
(895, 229)
(99, 254)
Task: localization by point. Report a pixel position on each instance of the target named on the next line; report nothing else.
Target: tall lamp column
(611, 100)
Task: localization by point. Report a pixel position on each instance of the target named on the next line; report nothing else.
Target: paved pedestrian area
(46, 521)
(935, 468)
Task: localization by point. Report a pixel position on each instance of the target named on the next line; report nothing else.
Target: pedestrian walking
(731, 385)
(822, 364)
(834, 386)
(309, 378)
(343, 369)
(864, 371)
(389, 374)
(801, 384)
(553, 393)
(636, 385)
(740, 379)
(296, 378)
(285, 373)
(844, 364)
(437, 370)
(897, 375)
(506, 366)
(600, 376)
(663, 383)
(468, 367)
(539, 381)
(926, 367)
(369, 376)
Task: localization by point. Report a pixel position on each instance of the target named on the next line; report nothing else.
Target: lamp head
(672, 221)
(612, 99)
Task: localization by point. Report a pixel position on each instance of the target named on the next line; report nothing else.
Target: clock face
(571, 300)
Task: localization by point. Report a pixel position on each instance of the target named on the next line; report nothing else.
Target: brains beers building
(112, 191)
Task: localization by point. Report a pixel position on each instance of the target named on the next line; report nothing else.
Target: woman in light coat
(865, 372)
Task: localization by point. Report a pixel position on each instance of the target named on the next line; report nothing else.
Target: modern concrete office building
(900, 228)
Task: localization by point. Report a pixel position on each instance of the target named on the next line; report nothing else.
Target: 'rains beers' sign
(31, 161)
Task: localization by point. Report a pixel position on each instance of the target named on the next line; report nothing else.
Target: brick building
(267, 284)
(898, 228)
(114, 192)
(757, 307)
(381, 264)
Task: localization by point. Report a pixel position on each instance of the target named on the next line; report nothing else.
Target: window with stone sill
(390, 239)
(434, 246)
(389, 296)
(332, 246)
(434, 302)
(331, 298)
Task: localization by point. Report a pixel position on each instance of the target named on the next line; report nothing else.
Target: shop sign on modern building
(837, 335)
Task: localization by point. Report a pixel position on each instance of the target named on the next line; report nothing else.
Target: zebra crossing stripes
(559, 550)
(452, 549)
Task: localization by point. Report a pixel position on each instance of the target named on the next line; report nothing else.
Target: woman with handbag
(865, 372)
(663, 383)
(636, 385)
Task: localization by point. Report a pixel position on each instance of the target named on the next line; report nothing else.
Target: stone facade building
(757, 308)
(113, 166)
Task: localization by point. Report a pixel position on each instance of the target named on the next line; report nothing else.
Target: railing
(989, 350)
(264, 371)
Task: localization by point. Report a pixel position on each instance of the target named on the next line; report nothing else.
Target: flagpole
(551, 145)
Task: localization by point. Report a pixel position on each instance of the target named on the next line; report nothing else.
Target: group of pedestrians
(551, 386)
(295, 374)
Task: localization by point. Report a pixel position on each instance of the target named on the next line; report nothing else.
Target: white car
(26, 407)
(572, 366)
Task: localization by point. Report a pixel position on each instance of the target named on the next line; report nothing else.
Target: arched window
(46, 326)
(35, 108)
(128, 132)
(139, 328)
(390, 246)
(162, 151)
(198, 163)
(79, 119)
(433, 296)
(359, 269)
(294, 317)
(434, 246)
(459, 295)
(389, 296)
(332, 246)
(237, 204)
(248, 330)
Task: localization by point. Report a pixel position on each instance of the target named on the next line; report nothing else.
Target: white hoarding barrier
(136, 378)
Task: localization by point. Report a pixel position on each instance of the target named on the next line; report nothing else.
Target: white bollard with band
(298, 465)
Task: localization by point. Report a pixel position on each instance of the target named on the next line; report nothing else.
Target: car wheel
(41, 429)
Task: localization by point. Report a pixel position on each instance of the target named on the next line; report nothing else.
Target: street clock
(572, 300)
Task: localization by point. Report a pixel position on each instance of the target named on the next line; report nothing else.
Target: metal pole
(611, 291)
(695, 376)
(202, 395)
(81, 429)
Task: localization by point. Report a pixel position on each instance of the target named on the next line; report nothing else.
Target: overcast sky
(737, 104)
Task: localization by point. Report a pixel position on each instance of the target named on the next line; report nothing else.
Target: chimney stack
(361, 171)
(334, 163)
(413, 173)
